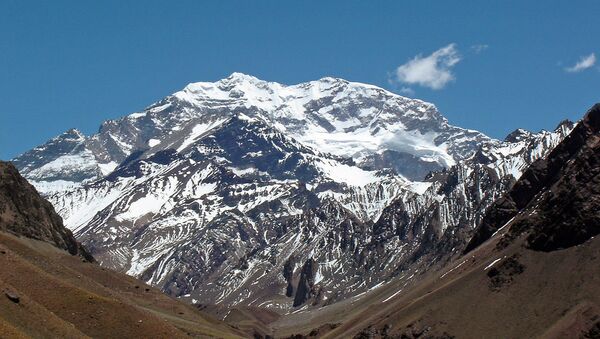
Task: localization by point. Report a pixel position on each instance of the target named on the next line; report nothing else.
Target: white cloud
(479, 48)
(584, 63)
(433, 71)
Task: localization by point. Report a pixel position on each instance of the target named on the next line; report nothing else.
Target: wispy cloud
(433, 71)
(584, 63)
(479, 48)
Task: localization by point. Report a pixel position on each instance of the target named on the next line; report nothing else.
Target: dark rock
(32, 216)
(305, 291)
(288, 272)
(502, 275)
(593, 332)
(12, 296)
(517, 135)
(563, 190)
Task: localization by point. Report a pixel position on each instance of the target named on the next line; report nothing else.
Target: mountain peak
(517, 135)
(332, 79)
(336, 116)
(238, 76)
(71, 134)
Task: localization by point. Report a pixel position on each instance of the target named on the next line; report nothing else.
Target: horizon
(74, 65)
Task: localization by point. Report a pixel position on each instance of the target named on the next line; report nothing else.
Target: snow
(152, 202)
(153, 142)
(125, 147)
(65, 164)
(391, 296)
(137, 115)
(376, 286)
(364, 130)
(503, 226)
(254, 154)
(342, 173)
(455, 267)
(419, 187)
(107, 168)
(368, 140)
(46, 187)
(87, 208)
(510, 149)
(492, 264)
(197, 132)
(318, 277)
(241, 172)
(143, 206)
(204, 189)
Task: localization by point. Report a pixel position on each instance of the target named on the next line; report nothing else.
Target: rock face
(226, 192)
(438, 224)
(550, 191)
(306, 284)
(533, 263)
(24, 212)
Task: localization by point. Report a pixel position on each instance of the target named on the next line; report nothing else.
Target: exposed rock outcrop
(24, 212)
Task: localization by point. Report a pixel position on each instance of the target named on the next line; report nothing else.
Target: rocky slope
(557, 198)
(532, 269)
(23, 212)
(246, 192)
(535, 257)
(50, 286)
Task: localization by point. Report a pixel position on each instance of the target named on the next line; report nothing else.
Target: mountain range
(297, 199)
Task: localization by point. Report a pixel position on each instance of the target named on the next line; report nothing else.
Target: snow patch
(153, 142)
(108, 167)
(197, 132)
(391, 296)
(349, 175)
(492, 264)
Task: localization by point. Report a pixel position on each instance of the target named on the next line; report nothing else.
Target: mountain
(252, 193)
(51, 286)
(532, 268)
(348, 119)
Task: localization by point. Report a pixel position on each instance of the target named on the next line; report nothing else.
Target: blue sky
(488, 65)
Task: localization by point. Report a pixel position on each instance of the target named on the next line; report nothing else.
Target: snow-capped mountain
(348, 119)
(250, 192)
